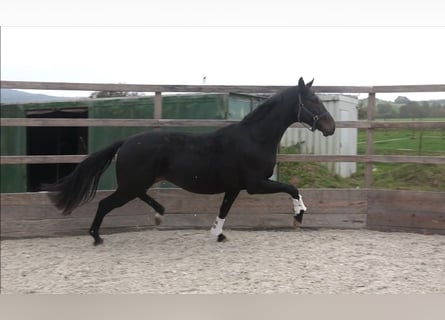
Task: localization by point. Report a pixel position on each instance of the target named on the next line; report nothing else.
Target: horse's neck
(270, 129)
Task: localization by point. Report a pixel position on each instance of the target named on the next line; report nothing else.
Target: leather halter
(315, 117)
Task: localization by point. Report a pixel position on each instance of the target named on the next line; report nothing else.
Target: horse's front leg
(217, 227)
(299, 210)
(270, 186)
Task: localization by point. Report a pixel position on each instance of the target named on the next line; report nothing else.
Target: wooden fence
(30, 214)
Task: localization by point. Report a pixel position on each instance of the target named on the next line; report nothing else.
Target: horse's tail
(81, 184)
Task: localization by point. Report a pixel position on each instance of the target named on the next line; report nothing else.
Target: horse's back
(196, 162)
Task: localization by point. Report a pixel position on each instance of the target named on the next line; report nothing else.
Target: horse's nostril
(329, 132)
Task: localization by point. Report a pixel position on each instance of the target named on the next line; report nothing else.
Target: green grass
(313, 174)
(404, 176)
(405, 142)
(409, 176)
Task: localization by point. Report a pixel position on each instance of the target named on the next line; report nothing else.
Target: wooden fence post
(157, 114)
(370, 141)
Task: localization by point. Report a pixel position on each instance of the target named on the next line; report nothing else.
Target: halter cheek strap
(315, 117)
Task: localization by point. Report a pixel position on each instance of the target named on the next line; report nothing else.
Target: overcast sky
(243, 42)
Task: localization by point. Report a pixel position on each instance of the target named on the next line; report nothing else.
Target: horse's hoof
(158, 219)
(221, 238)
(298, 219)
(98, 241)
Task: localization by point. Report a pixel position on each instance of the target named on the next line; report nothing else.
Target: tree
(385, 110)
(401, 99)
(112, 94)
(437, 110)
(412, 110)
(362, 110)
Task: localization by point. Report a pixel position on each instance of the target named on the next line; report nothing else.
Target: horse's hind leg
(115, 200)
(155, 205)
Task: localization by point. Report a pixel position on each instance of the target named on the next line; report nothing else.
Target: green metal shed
(79, 140)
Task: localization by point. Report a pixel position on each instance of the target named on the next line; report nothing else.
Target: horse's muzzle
(329, 132)
(328, 126)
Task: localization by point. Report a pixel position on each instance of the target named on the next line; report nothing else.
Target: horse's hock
(26, 215)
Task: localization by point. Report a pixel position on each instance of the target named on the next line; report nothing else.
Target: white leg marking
(299, 205)
(217, 227)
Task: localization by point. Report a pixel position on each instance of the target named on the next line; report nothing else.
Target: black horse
(237, 157)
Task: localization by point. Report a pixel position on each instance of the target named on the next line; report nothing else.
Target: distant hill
(17, 96)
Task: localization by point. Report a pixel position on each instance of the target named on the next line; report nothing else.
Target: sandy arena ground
(190, 261)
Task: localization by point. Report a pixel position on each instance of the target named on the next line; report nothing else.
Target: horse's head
(312, 111)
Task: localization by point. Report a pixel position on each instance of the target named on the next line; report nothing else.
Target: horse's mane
(262, 110)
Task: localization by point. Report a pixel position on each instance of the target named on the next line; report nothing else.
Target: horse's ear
(301, 84)
(309, 84)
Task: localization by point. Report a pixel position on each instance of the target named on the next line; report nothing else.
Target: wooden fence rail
(211, 88)
(33, 215)
(280, 158)
(158, 123)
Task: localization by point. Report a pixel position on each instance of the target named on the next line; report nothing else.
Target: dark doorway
(54, 141)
